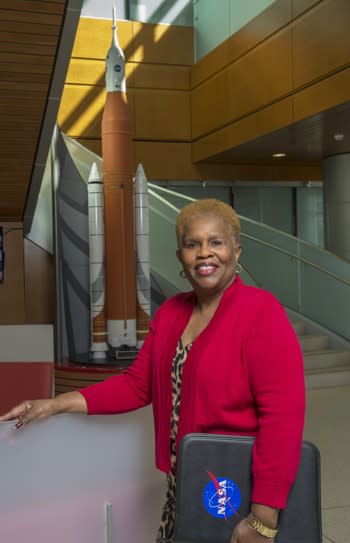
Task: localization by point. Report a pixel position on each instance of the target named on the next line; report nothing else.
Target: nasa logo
(221, 497)
(117, 68)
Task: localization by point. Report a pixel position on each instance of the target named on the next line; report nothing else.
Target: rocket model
(143, 309)
(99, 346)
(118, 204)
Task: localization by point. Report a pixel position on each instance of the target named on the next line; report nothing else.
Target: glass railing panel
(275, 261)
(325, 260)
(325, 299)
(163, 246)
(269, 235)
(83, 157)
(272, 270)
(304, 277)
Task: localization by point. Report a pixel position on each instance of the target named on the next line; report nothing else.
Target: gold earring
(182, 274)
(239, 268)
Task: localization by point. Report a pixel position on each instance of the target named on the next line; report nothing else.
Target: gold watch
(259, 527)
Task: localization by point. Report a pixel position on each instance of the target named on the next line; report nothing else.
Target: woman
(220, 359)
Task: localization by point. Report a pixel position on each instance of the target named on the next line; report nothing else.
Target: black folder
(214, 485)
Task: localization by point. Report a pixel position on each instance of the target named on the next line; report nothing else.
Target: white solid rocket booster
(97, 277)
(143, 284)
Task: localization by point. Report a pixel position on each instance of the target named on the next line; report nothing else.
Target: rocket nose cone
(140, 172)
(94, 174)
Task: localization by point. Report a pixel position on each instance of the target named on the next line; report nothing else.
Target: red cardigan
(243, 375)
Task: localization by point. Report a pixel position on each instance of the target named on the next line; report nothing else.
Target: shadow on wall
(140, 42)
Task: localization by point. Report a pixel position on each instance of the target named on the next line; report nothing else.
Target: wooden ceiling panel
(34, 29)
(29, 17)
(309, 140)
(25, 44)
(56, 6)
(29, 34)
(26, 59)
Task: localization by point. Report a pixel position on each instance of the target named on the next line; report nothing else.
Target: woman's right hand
(25, 412)
(30, 410)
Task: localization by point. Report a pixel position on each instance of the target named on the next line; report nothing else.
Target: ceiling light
(339, 137)
(279, 155)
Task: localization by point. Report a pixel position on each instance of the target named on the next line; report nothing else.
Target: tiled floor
(328, 426)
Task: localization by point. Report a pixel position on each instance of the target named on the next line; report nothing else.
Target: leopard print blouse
(166, 528)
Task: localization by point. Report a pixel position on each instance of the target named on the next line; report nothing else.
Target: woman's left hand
(244, 533)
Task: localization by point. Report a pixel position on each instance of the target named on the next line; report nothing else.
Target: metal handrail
(296, 257)
(275, 247)
(256, 223)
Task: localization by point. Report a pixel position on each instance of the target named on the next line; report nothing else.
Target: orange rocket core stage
(118, 209)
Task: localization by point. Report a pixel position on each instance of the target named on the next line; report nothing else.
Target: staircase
(326, 357)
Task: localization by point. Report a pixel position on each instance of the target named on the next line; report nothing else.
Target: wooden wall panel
(27, 294)
(161, 76)
(162, 115)
(39, 285)
(166, 160)
(12, 301)
(259, 29)
(258, 78)
(170, 160)
(262, 122)
(149, 43)
(321, 41)
(323, 95)
(159, 115)
(147, 76)
(94, 144)
(300, 6)
(158, 81)
(101, 31)
(313, 71)
(90, 72)
(162, 44)
(81, 110)
(241, 91)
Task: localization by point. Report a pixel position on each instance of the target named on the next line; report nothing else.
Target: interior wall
(295, 210)
(178, 12)
(270, 205)
(12, 296)
(299, 54)
(27, 292)
(159, 72)
(158, 63)
(214, 22)
(39, 284)
(310, 214)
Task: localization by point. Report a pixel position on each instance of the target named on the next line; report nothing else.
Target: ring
(28, 405)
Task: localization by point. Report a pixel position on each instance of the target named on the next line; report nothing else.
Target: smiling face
(209, 254)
